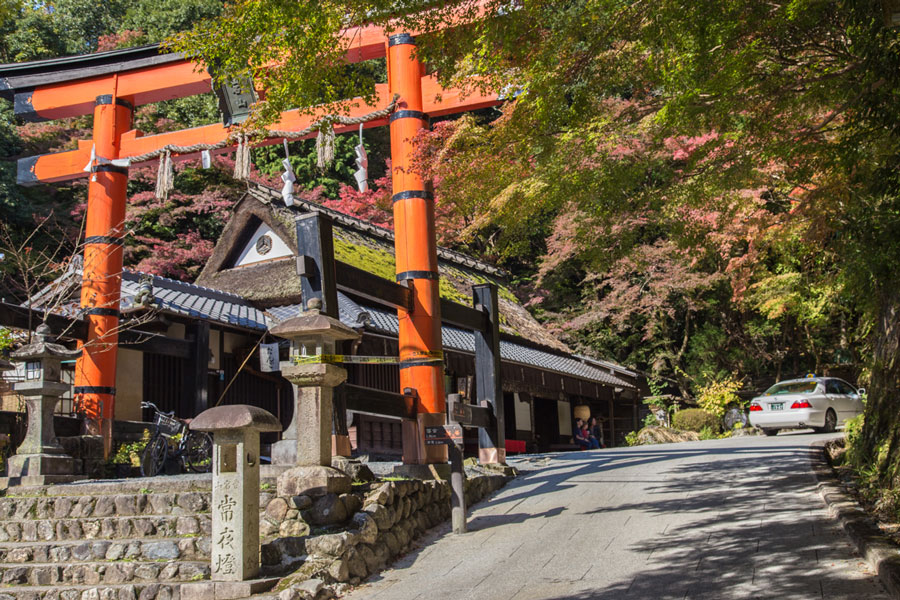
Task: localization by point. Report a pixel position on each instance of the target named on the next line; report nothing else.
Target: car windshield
(792, 387)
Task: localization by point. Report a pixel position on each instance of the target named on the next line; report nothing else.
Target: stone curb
(881, 554)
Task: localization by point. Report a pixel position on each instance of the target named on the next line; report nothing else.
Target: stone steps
(129, 591)
(185, 548)
(110, 528)
(97, 573)
(104, 505)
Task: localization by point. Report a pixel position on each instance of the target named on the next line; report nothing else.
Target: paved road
(720, 519)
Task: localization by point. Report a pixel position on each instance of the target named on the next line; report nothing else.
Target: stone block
(383, 516)
(126, 505)
(301, 502)
(277, 509)
(312, 481)
(187, 526)
(226, 590)
(127, 592)
(356, 564)
(334, 545)
(105, 506)
(365, 527)
(339, 571)
(352, 503)
(166, 549)
(326, 510)
(293, 529)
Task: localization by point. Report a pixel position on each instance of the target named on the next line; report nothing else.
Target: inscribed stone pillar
(235, 493)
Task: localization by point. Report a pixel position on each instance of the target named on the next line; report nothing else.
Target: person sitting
(580, 436)
(596, 433)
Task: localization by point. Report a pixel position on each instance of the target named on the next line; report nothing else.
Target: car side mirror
(861, 391)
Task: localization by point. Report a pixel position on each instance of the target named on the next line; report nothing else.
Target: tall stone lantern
(41, 459)
(307, 443)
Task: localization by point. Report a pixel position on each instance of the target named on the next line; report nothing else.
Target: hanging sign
(268, 358)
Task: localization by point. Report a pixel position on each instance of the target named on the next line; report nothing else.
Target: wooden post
(315, 261)
(196, 378)
(488, 385)
(457, 478)
(95, 372)
(421, 367)
(612, 421)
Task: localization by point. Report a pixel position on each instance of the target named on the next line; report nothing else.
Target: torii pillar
(95, 373)
(421, 366)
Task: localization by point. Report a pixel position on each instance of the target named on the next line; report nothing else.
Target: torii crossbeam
(112, 84)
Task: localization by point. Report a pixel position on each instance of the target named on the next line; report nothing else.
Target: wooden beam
(65, 166)
(462, 316)
(154, 343)
(371, 287)
(20, 317)
(140, 86)
(378, 402)
(315, 261)
(67, 87)
(71, 92)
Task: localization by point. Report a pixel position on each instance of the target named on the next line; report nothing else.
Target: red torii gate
(111, 88)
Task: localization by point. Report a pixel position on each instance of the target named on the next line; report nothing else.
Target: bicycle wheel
(153, 458)
(198, 452)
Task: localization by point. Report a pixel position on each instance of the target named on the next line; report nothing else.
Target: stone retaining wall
(358, 533)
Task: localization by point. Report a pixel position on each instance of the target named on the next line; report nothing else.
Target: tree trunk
(882, 425)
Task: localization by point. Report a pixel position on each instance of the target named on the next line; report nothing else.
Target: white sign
(268, 358)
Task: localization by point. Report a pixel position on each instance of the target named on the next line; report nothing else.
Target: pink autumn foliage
(373, 205)
(182, 258)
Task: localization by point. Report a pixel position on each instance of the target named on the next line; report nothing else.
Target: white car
(823, 403)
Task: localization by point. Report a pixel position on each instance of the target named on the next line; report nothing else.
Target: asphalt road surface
(720, 519)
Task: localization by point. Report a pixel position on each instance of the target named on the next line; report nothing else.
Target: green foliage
(6, 339)
(650, 420)
(130, 453)
(632, 439)
(695, 419)
(708, 433)
(716, 397)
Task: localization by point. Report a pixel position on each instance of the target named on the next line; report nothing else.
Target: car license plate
(777, 406)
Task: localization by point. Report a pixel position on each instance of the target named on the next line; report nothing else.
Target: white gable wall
(250, 255)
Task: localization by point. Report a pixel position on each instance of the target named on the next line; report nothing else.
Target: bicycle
(194, 448)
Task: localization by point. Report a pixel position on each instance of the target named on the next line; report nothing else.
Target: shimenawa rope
(324, 145)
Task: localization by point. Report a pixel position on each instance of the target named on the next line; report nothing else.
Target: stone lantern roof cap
(312, 322)
(44, 346)
(236, 416)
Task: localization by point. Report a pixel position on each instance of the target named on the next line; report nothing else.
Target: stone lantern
(41, 459)
(307, 443)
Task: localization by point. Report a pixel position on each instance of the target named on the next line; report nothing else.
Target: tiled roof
(223, 307)
(461, 340)
(195, 301)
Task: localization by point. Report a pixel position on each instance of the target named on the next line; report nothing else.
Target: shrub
(708, 433)
(695, 419)
(719, 395)
(631, 438)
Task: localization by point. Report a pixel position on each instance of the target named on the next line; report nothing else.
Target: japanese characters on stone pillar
(40, 459)
(235, 493)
